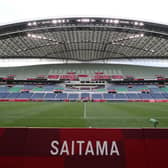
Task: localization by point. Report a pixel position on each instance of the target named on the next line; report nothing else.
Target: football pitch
(73, 114)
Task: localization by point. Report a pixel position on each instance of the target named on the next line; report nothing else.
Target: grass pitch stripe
(84, 111)
(84, 114)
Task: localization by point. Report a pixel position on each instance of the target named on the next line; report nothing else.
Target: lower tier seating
(109, 92)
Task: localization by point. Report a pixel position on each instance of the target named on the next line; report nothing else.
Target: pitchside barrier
(83, 148)
(67, 100)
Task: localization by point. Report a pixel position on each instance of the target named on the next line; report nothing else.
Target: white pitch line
(84, 110)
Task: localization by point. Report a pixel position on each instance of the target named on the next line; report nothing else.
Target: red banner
(83, 148)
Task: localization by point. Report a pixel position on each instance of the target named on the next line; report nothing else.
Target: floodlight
(29, 35)
(116, 21)
(136, 23)
(59, 21)
(34, 23)
(131, 37)
(33, 35)
(92, 20)
(141, 24)
(29, 24)
(78, 20)
(39, 37)
(54, 21)
(137, 35)
(107, 20)
(85, 20)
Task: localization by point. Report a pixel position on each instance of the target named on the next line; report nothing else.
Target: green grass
(96, 115)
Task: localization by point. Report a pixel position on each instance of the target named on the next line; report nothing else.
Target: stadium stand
(85, 53)
(49, 96)
(56, 72)
(50, 93)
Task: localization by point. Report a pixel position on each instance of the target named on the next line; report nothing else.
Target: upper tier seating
(3, 88)
(49, 87)
(54, 71)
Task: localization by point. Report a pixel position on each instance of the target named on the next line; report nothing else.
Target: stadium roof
(84, 39)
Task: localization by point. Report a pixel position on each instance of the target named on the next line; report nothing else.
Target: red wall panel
(31, 148)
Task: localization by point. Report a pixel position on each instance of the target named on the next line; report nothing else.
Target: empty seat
(97, 96)
(37, 96)
(108, 96)
(157, 96)
(155, 90)
(73, 96)
(3, 89)
(29, 87)
(38, 89)
(121, 96)
(49, 87)
(3, 95)
(12, 95)
(133, 96)
(49, 96)
(165, 95)
(61, 96)
(25, 95)
(85, 95)
(15, 89)
(145, 96)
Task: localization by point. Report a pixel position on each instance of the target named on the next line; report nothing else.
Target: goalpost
(85, 112)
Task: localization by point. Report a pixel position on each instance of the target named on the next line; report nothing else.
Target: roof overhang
(84, 39)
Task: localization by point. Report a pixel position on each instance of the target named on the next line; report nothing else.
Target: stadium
(93, 98)
(92, 79)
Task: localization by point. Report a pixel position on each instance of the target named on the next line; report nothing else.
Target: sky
(12, 11)
(22, 10)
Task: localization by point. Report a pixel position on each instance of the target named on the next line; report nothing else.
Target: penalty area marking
(84, 110)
